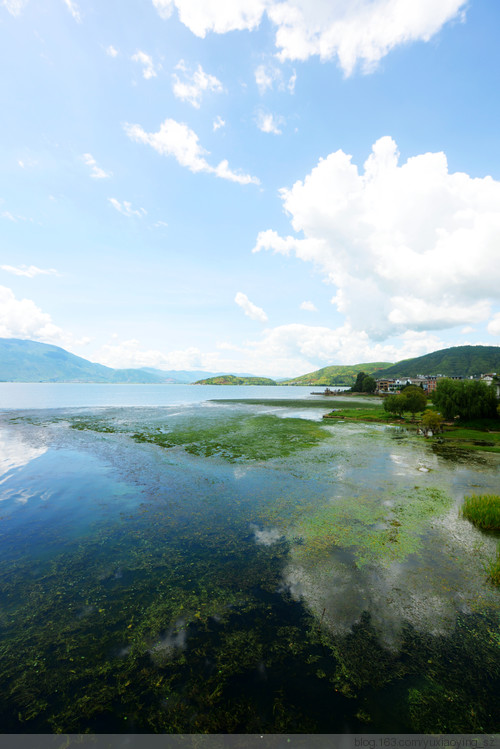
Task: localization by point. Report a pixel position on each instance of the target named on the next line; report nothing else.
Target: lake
(171, 563)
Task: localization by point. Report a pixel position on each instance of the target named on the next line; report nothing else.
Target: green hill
(232, 380)
(30, 361)
(458, 360)
(337, 374)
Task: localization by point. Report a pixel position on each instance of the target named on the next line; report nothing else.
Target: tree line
(463, 399)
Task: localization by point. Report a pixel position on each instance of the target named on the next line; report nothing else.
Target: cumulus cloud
(494, 325)
(308, 307)
(285, 350)
(30, 271)
(95, 171)
(126, 208)
(131, 354)
(294, 349)
(178, 140)
(21, 318)
(148, 67)
(73, 9)
(250, 309)
(194, 85)
(201, 16)
(408, 246)
(111, 51)
(361, 32)
(269, 123)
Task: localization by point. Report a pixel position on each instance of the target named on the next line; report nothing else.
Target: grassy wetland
(243, 567)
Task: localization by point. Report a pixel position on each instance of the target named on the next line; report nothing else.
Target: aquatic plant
(483, 510)
(494, 570)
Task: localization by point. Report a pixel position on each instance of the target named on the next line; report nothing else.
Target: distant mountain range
(451, 362)
(30, 361)
(468, 361)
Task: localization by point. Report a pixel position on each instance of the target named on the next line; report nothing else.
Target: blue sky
(266, 186)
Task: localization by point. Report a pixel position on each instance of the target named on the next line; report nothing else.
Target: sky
(258, 186)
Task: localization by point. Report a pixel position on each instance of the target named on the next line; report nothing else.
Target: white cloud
(21, 318)
(201, 16)
(126, 208)
(8, 215)
(250, 309)
(148, 67)
(14, 217)
(30, 271)
(95, 171)
(286, 350)
(194, 85)
(408, 246)
(265, 77)
(494, 325)
(308, 307)
(296, 349)
(269, 76)
(73, 9)
(14, 6)
(130, 354)
(269, 123)
(178, 140)
(352, 32)
(218, 123)
(111, 51)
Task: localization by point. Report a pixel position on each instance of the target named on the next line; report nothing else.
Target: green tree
(358, 385)
(368, 384)
(468, 399)
(416, 400)
(432, 421)
(394, 404)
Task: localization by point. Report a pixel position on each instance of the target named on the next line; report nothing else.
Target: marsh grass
(364, 413)
(494, 568)
(483, 510)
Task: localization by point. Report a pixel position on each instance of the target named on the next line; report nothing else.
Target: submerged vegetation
(494, 568)
(210, 602)
(246, 437)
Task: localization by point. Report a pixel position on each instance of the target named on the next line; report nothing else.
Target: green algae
(245, 437)
(376, 533)
(300, 403)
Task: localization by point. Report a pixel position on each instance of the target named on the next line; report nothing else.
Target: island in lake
(234, 380)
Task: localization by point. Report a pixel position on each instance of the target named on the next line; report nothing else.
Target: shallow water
(236, 567)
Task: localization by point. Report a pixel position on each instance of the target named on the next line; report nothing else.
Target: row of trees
(467, 399)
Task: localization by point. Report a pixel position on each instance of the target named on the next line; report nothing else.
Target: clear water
(14, 395)
(196, 566)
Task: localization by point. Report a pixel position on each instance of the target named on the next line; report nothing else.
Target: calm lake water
(171, 563)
